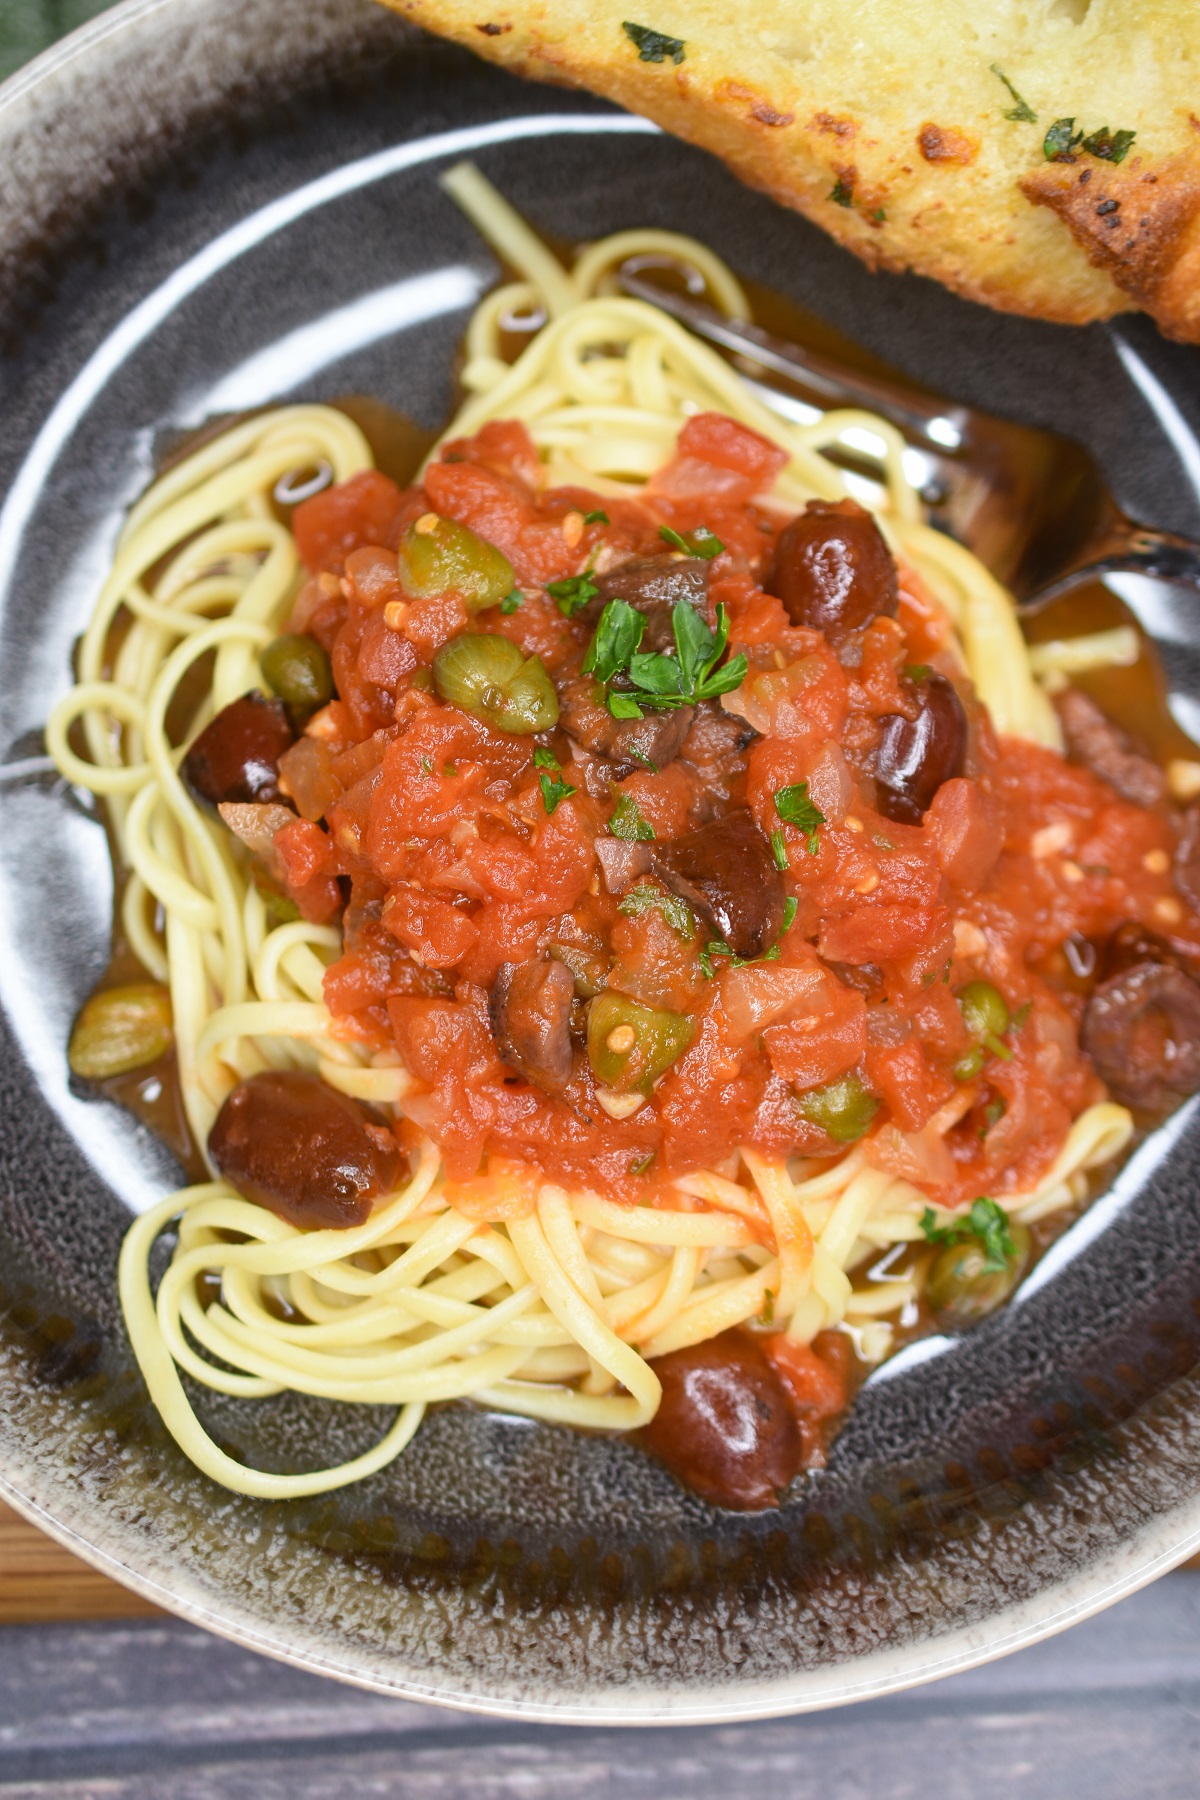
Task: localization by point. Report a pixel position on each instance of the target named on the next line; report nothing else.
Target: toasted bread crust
(907, 153)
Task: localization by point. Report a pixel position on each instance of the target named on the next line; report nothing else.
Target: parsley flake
(426, 766)
(702, 542)
(795, 808)
(842, 192)
(1061, 141)
(572, 592)
(779, 851)
(643, 898)
(918, 671)
(627, 822)
(659, 679)
(641, 1163)
(512, 601)
(790, 908)
(614, 640)
(986, 1221)
(596, 518)
(1109, 146)
(639, 756)
(1022, 113)
(653, 46)
(554, 789)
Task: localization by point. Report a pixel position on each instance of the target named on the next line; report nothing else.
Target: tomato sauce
(426, 830)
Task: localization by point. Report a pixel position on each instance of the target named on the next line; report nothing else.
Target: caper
(297, 669)
(119, 1030)
(588, 969)
(630, 1045)
(962, 1289)
(440, 556)
(843, 1108)
(487, 675)
(984, 1012)
(967, 1067)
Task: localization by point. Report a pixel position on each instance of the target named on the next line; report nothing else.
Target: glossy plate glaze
(213, 204)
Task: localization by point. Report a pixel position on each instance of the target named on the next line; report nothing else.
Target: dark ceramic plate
(208, 204)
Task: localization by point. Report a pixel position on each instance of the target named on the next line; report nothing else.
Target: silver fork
(1031, 504)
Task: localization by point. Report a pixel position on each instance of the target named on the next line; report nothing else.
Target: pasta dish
(638, 933)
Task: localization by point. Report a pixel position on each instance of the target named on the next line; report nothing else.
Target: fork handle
(1135, 549)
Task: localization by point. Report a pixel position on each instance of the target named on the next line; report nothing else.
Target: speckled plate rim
(1148, 1554)
(1151, 1553)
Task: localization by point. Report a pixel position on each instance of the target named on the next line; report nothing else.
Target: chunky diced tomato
(827, 1040)
(332, 524)
(913, 1090)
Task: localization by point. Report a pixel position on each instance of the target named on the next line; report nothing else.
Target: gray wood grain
(159, 1711)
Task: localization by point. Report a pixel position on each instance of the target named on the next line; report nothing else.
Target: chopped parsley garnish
(641, 1163)
(795, 808)
(1061, 141)
(842, 192)
(986, 1221)
(596, 518)
(628, 823)
(918, 671)
(1022, 113)
(639, 756)
(614, 640)
(779, 851)
(1109, 146)
(790, 908)
(426, 766)
(553, 787)
(511, 602)
(450, 769)
(653, 46)
(572, 592)
(1021, 1016)
(879, 216)
(659, 679)
(702, 542)
(643, 898)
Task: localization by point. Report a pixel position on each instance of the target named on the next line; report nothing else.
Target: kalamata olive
(629, 1045)
(833, 571)
(298, 1147)
(1187, 857)
(297, 669)
(1132, 943)
(1103, 747)
(715, 747)
(653, 585)
(120, 1029)
(1141, 1028)
(626, 744)
(724, 1427)
(916, 756)
(843, 1108)
(530, 1010)
(962, 1289)
(726, 873)
(236, 757)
